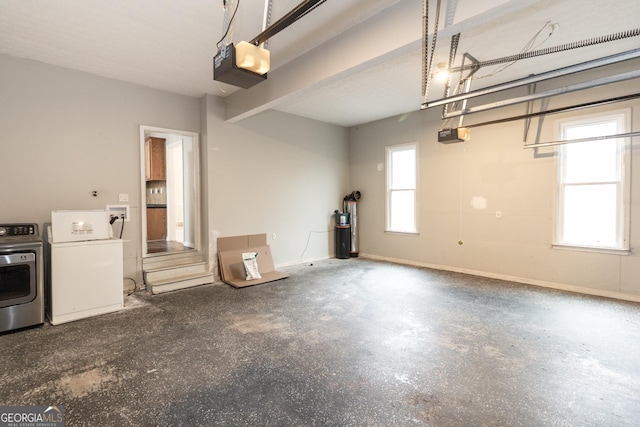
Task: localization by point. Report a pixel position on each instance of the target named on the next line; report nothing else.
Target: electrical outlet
(498, 214)
(273, 236)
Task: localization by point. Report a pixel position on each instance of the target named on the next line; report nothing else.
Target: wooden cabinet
(155, 170)
(154, 159)
(156, 223)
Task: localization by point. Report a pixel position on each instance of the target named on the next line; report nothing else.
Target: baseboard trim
(523, 280)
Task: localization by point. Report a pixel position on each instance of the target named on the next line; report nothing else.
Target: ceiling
(346, 62)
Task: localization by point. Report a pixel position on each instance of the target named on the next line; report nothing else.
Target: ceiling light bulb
(442, 75)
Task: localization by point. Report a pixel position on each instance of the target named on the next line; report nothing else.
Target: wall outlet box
(119, 211)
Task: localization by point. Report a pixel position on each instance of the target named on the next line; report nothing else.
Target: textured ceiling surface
(169, 45)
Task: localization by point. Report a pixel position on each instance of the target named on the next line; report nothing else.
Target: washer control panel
(18, 230)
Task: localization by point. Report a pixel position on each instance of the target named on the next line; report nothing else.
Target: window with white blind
(593, 184)
(401, 167)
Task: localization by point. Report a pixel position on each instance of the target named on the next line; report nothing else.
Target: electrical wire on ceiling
(528, 47)
(247, 63)
(229, 30)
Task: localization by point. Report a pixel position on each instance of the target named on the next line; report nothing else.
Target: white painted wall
(492, 166)
(67, 133)
(275, 173)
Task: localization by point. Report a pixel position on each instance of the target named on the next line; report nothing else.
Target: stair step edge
(174, 266)
(182, 278)
(174, 286)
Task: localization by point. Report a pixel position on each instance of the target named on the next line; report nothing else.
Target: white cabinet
(86, 280)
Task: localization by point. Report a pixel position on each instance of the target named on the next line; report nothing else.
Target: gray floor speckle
(340, 343)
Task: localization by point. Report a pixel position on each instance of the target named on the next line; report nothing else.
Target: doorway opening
(170, 191)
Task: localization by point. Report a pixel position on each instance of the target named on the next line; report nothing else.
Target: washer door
(17, 278)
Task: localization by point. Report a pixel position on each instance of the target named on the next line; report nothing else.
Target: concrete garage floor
(340, 343)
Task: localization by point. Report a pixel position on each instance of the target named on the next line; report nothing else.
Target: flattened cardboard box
(241, 242)
(230, 250)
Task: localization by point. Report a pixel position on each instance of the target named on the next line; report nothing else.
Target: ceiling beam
(382, 37)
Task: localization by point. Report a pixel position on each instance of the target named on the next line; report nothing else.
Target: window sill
(402, 233)
(592, 249)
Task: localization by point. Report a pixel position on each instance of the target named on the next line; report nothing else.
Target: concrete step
(165, 272)
(169, 284)
(156, 262)
(176, 271)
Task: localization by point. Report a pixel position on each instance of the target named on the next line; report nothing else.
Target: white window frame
(622, 117)
(388, 190)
